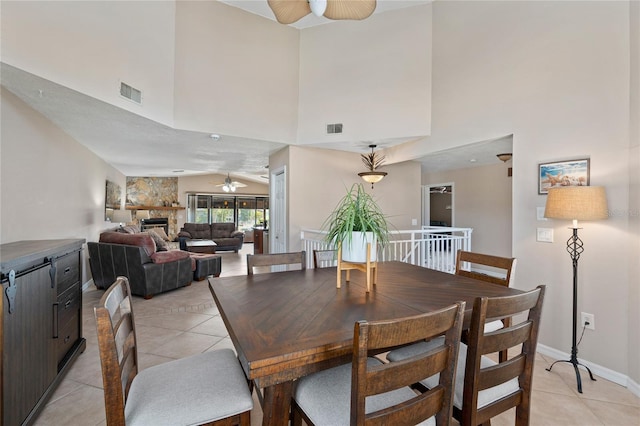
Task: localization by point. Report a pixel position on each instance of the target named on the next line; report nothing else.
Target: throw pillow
(130, 229)
(161, 245)
(160, 232)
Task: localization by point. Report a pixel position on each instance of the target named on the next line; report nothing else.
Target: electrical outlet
(588, 318)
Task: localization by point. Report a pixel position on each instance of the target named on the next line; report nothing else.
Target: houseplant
(356, 220)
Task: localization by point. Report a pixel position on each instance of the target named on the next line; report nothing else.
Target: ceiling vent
(334, 128)
(130, 93)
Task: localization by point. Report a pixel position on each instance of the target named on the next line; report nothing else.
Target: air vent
(130, 93)
(334, 128)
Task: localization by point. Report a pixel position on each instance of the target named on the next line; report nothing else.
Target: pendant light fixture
(372, 161)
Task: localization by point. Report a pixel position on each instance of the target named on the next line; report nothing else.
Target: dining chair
(504, 268)
(337, 395)
(254, 260)
(208, 388)
(324, 258)
(484, 388)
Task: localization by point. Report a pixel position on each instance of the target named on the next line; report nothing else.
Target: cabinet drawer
(68, 304)
(67, 271)
(67, 336)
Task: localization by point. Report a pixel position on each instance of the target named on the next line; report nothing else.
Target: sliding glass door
(245, 211)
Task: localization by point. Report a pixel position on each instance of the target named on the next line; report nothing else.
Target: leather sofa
(135, 257)
(224, 235)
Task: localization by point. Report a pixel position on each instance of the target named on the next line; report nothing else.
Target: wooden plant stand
(369, 268)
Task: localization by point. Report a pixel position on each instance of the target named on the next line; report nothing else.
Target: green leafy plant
(357, 211)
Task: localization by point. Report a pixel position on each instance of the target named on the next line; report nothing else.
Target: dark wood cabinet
(40, 325)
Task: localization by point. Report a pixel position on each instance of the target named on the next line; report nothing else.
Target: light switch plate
(540, 213)
(545, 235)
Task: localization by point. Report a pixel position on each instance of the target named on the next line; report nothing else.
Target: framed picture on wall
(563, 173)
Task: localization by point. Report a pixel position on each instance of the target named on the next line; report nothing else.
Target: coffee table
(201, 246)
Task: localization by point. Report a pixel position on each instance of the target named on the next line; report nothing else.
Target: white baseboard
(86, 285)
(604, 372)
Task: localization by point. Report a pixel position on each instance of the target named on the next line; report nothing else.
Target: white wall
(374, 76)
(51, 186)
(236, 73)
(130, 41)
(482, 201)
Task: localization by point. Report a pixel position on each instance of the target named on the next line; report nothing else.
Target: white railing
(432, 247)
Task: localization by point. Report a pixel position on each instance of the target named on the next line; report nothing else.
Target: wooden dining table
(285, 325)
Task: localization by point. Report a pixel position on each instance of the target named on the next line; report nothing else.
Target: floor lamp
(576, 203)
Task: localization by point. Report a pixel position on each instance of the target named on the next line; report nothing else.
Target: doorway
(438, 206)
(278, 224)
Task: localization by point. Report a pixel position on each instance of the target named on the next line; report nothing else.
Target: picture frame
(563, 173)
(111, 199)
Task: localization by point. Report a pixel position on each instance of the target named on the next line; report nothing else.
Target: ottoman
(206, 264)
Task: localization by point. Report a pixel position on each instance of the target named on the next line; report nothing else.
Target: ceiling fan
(440, 190)
(230, 186)
(290, 11)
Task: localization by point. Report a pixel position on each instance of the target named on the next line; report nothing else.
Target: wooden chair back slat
(503, 372)
(505, 338)
(366, 381)
(507, 265)
(275, 259)
(324, 258)
(415, 369)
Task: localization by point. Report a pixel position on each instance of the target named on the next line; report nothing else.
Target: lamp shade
(577, 203)
(372, 177)
(142, 214)
(121, 216)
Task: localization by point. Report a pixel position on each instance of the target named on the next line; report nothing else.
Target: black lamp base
(574, 361)
(575, 248)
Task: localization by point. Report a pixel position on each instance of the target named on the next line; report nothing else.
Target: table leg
(277, 404)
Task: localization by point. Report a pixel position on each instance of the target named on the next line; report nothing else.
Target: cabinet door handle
(67, 269)
(69, 302)
(55, 320)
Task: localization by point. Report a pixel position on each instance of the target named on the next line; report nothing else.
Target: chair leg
(242, 419)
(245, 418)
(296, 415)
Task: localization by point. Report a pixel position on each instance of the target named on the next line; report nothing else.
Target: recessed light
(214, 136)
(473, 160)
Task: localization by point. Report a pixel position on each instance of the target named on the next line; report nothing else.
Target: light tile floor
(186, 321)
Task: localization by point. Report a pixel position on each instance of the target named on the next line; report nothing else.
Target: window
(245, 211)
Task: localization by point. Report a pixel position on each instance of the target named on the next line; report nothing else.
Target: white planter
(356, 251)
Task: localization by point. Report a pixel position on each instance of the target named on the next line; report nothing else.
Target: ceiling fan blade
(289, 11)
(238, 184)
(349, 9)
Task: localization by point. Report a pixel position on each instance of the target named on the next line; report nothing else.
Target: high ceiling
(138, 146)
